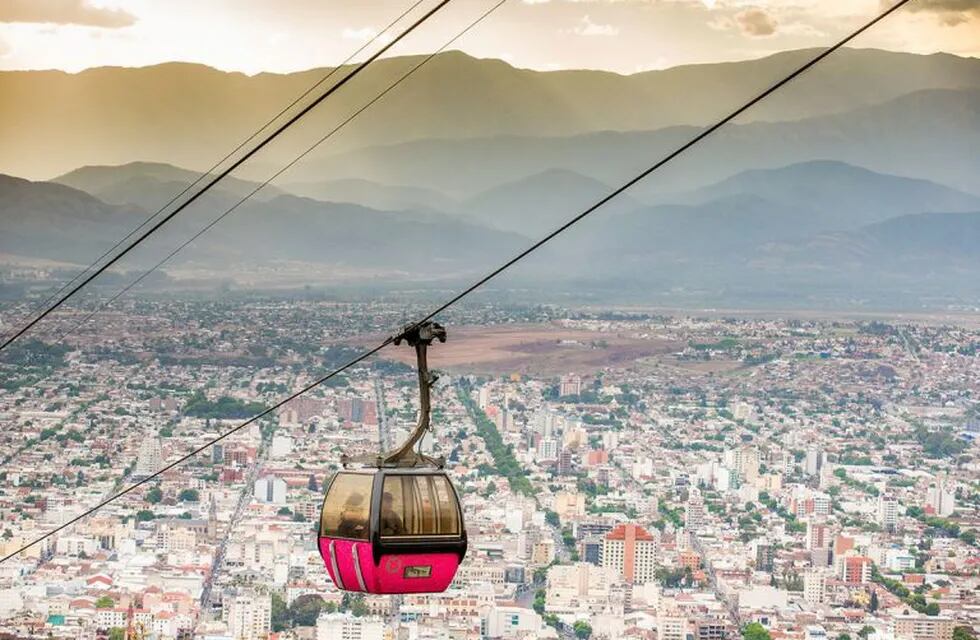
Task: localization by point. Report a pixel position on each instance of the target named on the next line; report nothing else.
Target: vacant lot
(540, 349)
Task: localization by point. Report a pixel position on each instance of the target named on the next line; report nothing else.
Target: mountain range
(857, 183)
(820, 223)
(189, 115)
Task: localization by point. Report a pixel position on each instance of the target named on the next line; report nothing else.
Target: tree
(154, 495)
(539, 600)
(932, 609)
(873, 604)
(755, 631)
(305, 609)
(143, 515)
(866, 631)
(843, 636)
(105, 602)
(582, 629)
(280, 613)
(964, 633)
(117, 633)
(189, 495)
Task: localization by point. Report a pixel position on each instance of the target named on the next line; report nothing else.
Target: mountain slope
(844, 196)
(538, 204)
(151, 184)
(189, 115)
(53, 221)
(372, 194)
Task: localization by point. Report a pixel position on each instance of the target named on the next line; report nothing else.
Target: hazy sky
(620, 35)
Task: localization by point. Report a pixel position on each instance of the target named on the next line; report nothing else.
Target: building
(814, 460)
(571, 385)
(507, 622)
(270, 490)
(815, 632)
(149, 460)
(671, 625)
(694, 519)
(764, 557)
(543, 551)
(345, 626)
(712, 630)
(632, 552)
(248, 615)
(917, 627)
(579, 589)
(814, 587)
(817, 535)
(887, 512)
(941, 499)
(855, 569)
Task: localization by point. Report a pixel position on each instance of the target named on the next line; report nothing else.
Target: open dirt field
(540, 349)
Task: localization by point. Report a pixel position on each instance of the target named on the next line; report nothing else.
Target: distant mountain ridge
(189, 115)
(932, 135)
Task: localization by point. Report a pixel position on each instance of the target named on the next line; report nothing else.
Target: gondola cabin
(392, 530)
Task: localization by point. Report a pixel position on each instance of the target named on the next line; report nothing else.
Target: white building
(814, 587)
(270, 490)
(345, 626)
(508, 622)
(149, 460)
(248, 615)
(887, 511)
(941, 498)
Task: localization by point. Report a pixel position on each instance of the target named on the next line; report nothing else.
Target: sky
(624, 36)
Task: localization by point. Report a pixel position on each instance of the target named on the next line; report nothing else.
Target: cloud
(949, 12)
(588, 28)
(78, 12)
(755, 22)
(364, 33)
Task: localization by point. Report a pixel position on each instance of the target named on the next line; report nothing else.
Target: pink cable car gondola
(395, 524)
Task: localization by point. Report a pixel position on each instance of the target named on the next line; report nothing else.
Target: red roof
(619, 533)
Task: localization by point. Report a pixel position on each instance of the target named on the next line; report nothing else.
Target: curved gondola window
(347, 507)
(418, 505)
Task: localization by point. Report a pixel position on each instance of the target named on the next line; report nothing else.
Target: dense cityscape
(623, 474)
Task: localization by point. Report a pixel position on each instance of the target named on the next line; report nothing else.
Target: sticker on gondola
(392, 565)
(418, 572)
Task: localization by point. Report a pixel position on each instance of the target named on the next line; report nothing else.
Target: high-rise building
(270, 490)
(571, 385)
(248, 615)
(149, 460)
(764, 557)
(855, 569)
(814, 460)
(632, 552)
(941, 498)
(814, 586)
(694, 519)
(817, 534)
(888, 511)
(345, 626)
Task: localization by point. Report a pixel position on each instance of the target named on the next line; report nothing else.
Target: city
(623, 474)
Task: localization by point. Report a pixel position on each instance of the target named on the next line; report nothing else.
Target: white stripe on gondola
(333, 565)
(357, 567)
